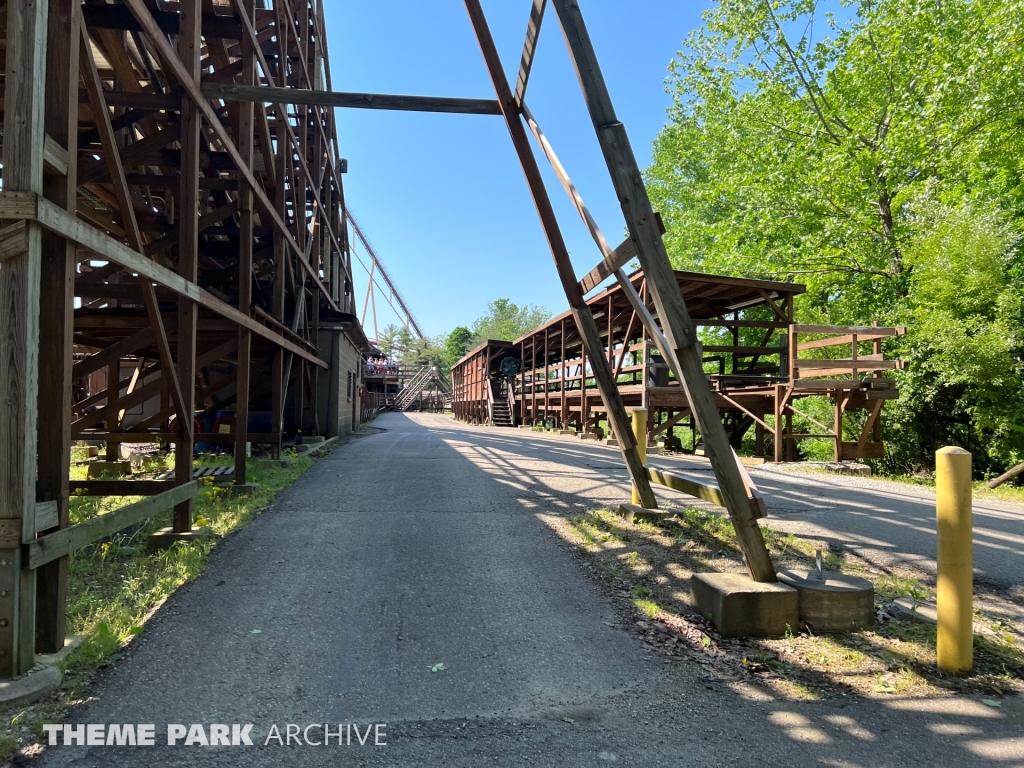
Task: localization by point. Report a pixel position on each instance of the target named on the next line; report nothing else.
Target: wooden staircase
(500, 408)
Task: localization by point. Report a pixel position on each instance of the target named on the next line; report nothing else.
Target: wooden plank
(55, 157)
(862, 331)
(12, 240)
(115, 351)
(47, 515)
(615, 261)
(46, 548)
(120, 487)
(266, 94)
(865, 363)
(699, 490)
(869, 451)
(663, 285)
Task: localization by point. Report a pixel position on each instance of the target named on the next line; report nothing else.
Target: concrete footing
(168, 537)
(242, 489)
(587, 436)
(38, 681)
(571, 432)
(98, 469)
(633, 512)
(835, 603)
(70, 643)
(741, 607)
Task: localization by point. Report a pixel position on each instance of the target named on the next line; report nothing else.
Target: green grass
(114, 586)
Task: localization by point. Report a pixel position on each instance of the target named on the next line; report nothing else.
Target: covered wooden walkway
(757, 364)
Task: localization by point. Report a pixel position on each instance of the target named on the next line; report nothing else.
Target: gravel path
(425, 544)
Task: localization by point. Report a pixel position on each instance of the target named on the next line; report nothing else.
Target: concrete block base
(100, 469)
(571, 432)
(611, 441)
(836, 603)
(587, 436)
(633, 512)
(168, 537)
(741, 607)
(242, 489)
(70, 643)
(38, 681)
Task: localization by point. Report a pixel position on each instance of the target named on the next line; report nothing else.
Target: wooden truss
(150, 224)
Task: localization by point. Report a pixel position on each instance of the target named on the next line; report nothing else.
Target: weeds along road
(425, 545)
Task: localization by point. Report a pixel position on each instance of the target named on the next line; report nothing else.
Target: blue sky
(442, 197)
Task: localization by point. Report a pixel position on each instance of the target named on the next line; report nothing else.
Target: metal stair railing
(412, 390)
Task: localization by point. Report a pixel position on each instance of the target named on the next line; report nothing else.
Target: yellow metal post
(955, 648)
(640, 433)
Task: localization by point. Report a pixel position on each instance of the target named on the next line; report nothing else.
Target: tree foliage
(456, 345)
(876, 156)
(507, 321)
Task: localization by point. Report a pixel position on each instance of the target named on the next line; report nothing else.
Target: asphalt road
(423, 545)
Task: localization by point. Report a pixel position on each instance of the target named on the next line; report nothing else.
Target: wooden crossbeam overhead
(270, 95)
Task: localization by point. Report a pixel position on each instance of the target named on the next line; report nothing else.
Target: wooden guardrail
(37, 552)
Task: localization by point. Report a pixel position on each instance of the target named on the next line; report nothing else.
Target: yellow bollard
(955, 592)
(640, 433)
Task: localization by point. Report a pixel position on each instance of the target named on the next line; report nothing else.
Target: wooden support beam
(56, 317)
(186, 66)
(611, 264)
(246, 142)
(581, 312)
(23, 146)
(529, 49)
(266, 94)
(115, 351)
(661, 280)
(28, 206)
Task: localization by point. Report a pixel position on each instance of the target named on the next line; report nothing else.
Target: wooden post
(564, 412)
(640, 434)
(777, 425)
(189, 45)
(675, 320)
(246, 138)
(113, 388)
(839, 425)
(56, 318)
(24, 134)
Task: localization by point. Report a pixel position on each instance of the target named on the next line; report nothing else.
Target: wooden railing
(843, 335)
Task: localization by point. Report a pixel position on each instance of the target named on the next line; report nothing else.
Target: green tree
(507, 321)
(388, 343)
(790, 154)
(456, 345)
(877, 159)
